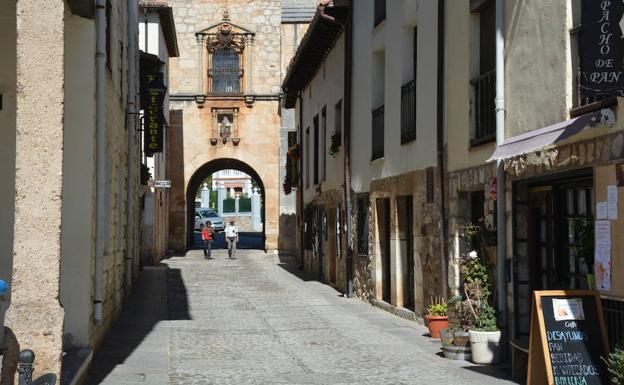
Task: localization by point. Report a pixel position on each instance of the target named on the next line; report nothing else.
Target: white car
(203, 215)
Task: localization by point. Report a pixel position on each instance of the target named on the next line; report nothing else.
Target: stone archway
(203, 172)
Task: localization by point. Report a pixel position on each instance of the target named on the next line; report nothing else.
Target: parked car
(203, 215)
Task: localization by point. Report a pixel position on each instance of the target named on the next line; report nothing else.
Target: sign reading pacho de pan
(568, 339)
(602, 47)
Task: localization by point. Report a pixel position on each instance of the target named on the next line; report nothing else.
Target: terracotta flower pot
(435, 324)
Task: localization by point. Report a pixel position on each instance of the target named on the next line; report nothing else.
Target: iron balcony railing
(408, 112)
(614, 319)
(484, 112)
(378, 133)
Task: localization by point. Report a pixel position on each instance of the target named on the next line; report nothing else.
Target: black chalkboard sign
(568, 339)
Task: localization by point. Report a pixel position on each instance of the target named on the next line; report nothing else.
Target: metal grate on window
(225, 74)
(614, 319)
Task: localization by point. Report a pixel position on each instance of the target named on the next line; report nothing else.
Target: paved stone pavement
(254, 321)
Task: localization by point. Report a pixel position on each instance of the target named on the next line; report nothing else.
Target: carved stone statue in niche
(225, 127)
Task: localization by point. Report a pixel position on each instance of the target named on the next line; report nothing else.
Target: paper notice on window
(568, 309)
(602, 260)
(612, 201)
(602, 210)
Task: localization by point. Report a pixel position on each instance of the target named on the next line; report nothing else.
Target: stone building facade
(72, 159)
(158, 43)
(225, 100)
(560, 152)
(314, 85)
(395, 171)
(394, 175)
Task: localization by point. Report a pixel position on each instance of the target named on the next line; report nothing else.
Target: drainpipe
(100, 202)
(348, 31)
(440, 146)
(501, 217)
(131, 129)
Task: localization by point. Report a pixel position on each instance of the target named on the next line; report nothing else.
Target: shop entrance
(405, 214)
(558, 222)
(383, 226)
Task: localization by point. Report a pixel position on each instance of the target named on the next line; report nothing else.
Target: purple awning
(537, 139)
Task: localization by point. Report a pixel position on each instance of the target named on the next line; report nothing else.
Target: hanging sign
(162, 183)
(603, 54)
(154, 95)
(568, 339)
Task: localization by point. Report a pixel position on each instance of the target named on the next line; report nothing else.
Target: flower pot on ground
(453, 345)
(485, 346)
(437, 319)
(435, 324)
(477, 314)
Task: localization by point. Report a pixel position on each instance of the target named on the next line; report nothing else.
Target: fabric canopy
(537, 139)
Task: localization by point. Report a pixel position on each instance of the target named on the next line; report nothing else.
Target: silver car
(203, 215)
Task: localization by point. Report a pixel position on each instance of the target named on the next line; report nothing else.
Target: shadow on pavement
(502, 372)
(159, 295)
(290, 264)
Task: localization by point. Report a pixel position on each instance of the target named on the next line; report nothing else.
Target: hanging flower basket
(294, 153)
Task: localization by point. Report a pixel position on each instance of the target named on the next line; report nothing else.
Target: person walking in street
(206, 233)
(231, 235)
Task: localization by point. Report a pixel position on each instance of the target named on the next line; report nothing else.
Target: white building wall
(325, 90)
(78, 224)
(390, 39)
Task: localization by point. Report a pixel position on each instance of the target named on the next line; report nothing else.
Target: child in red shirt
(206, 233)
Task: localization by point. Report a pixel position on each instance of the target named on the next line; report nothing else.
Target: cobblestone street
(252, 321)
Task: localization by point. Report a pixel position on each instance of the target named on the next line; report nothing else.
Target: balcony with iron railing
(484, 88)
(378, 133)
(583, 104)
(408, 112)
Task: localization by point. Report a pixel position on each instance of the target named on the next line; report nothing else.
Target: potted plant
(481, 316)
(615, 366)
(335, 144)
(436, 319)
(455, 344)
(583, 246)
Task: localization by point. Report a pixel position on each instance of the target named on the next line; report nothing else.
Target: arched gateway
(225, 93)
(204, 172)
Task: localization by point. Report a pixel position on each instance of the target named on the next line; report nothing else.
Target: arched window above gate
(225, 73)
(227, 50)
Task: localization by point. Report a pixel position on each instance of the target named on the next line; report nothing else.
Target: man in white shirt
(231, 235)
